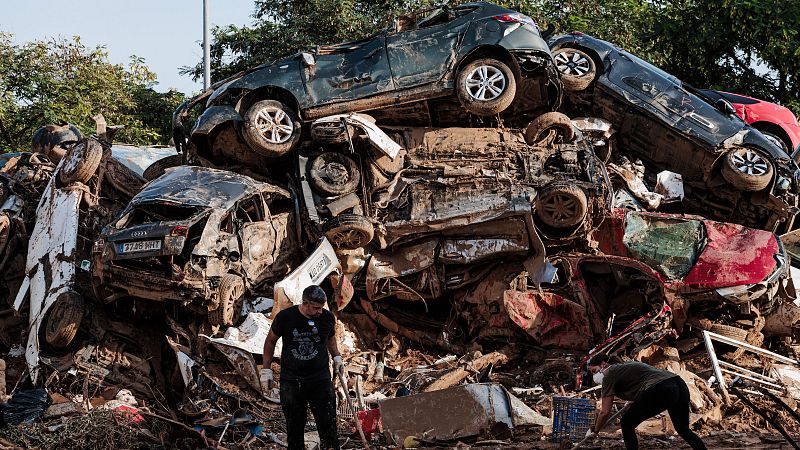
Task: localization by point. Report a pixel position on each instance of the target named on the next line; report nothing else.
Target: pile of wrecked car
(481, 218)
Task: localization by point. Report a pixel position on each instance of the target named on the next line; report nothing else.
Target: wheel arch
(497, 52)
(775, 129)
(269, 93)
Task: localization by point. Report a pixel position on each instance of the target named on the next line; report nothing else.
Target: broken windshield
(158, 212)
(670, 246)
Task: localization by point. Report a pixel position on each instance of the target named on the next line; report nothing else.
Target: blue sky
(166, 33)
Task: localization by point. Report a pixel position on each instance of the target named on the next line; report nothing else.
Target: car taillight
(515, 18)
(180, 230)
(575, 33)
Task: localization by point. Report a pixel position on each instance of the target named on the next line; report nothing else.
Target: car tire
(81, 162)
(331, 132)
(729, 331)
(561, 205)
(349, 231)
(473, 81)
(577, 69)
(333, 173)
(775, 139)
(231, 296)
(540, 129)
(63, 319)
(158, 168)
(746, 169)
(271, 128)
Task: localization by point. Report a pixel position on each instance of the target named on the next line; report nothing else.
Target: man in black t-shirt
(308, 337)
(649, 391)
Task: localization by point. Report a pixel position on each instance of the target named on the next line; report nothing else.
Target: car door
(256, 236)
(427, 52)
(350, 70)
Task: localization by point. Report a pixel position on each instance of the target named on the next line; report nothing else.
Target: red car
(775, 121)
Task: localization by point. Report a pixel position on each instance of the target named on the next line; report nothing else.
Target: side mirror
(725, 106)
(308, 59)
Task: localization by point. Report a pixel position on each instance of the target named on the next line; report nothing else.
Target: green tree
(57, 80)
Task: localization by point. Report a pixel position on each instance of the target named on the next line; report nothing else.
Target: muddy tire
(271, 128)
(332, 132)
(231, 298)
(349, 231)
(5, 231)
(486, 87)
(577, 69)
(158, 168)
(81, 162)
(540, 129)
(746, 169)
(729, 331)
(784, 145)
(63, 319)
(561, 205)
(333, 173)
(552, 374)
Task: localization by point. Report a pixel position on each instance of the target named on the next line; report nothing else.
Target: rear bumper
(155, 287)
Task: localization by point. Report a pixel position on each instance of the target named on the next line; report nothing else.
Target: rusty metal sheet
(552, 320)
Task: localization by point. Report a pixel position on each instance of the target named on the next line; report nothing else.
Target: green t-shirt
(628, 380)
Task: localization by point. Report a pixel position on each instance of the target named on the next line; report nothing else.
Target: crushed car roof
(198, 186)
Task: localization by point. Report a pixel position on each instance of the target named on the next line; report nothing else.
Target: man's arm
(333, 347)
(605, 412)
(269, 348)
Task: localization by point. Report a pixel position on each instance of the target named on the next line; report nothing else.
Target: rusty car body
(198, 236)
(730, 170)
(482, 53)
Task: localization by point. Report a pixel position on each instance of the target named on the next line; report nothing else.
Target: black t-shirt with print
(304, 356)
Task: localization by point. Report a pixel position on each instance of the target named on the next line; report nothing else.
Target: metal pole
(206, 49)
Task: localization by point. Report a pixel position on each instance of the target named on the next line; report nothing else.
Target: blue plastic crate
(572, 417)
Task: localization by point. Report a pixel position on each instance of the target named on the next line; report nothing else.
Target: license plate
(319, 267)
(139, 246)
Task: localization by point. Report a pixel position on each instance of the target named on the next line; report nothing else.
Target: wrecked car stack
(460, 218)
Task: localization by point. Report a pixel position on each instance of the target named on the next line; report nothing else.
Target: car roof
(199, 186)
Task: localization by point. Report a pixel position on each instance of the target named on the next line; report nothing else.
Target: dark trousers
(670, 395)
(296, 398)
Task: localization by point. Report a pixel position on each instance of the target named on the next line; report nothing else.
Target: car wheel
(231, 299)
(271, 128)
(63, 319)
(331, 132)
(746, 169)
(486, 87)
(158, 168)
(81, 162)
(550, 127)
(775, 139)
(333, 173)
(577, 69)
(561, 205)
(729, 331)
(349, 231)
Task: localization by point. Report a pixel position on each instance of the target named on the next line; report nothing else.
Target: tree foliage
(57, 80)
(746, 46)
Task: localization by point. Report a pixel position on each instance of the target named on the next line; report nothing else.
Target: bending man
(650, 390)
(308, 337)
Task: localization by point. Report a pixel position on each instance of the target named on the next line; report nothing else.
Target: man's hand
(338, 365)
(266, 380)
(590, 433)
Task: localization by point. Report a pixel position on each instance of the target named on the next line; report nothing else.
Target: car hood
(734, 255)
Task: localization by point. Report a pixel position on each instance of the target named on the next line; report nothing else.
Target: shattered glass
(671, 246)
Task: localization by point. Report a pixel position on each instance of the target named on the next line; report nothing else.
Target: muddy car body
(730, 170)
(198, 236)
(483, 53)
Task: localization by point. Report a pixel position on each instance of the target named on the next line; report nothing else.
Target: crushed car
(482, 54)
(730, 170)
(200, 237)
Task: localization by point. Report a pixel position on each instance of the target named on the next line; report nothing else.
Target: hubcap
(349, 239)
(274, 125)
(335, 173)
(485, 83)
(572, 64)
(749, 162)
(560, 207)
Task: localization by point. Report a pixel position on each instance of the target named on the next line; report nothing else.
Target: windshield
(157, 212)
(671, 246)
